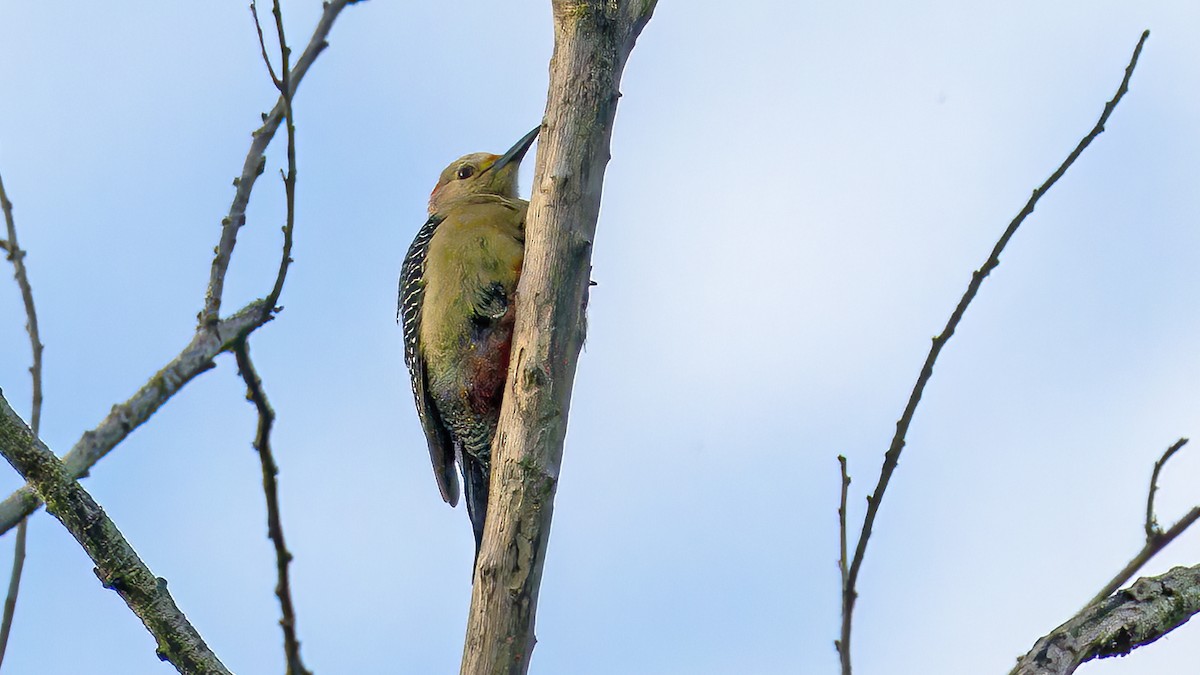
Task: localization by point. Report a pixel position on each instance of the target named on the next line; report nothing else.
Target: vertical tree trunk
(593, 39)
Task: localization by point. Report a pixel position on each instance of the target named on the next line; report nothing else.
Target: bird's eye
(466, 172)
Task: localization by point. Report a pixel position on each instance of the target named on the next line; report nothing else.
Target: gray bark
(117, 565)
(1131, 618)
(592, 41)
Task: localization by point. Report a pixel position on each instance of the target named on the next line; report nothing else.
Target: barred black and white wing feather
(412, 292)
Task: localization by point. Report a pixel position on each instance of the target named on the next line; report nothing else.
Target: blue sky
(797, 196)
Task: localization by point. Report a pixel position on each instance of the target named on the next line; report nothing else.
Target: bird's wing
(491, 301)
(408, 313)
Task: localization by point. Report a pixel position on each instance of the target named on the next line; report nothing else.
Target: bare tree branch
(53, 480)
(195, 358)
(14, 586)
(1152, 527)
(17, 257)
(289, 179)
(1114, 625)
(21, 274)
(892, 456)
(254, 386)
(117, 565)
(843, 562)
(255, 161)
(213, 335)
(1156, 539)
(593, 39)
(262, 44)
(262, 443)
(1135, 617)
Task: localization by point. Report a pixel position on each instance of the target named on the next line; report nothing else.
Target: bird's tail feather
(475, 483)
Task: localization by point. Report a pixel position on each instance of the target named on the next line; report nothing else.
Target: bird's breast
(486, 365)
(471, 273)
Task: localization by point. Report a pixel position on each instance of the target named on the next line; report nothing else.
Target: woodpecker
(458, 287)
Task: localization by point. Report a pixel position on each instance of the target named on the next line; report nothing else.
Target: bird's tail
(475, 481)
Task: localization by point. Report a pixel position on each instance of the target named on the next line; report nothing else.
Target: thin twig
(262, 443)
(52, 480)
(1149, 550)
(1152, 528)
(21, 274)
(196, 358)
(1156, 539)
(255, 162)
(254, 386)
(117, 565)
(263, 46)
(1148, 610)
(14, 586)
(892, 457)
(843, 654)
(842, 516)
(213, 336)
(289, 179)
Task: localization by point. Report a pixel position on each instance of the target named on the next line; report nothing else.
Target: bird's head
(481, 173)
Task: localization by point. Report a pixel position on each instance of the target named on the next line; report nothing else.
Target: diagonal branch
(195, 358)
(53, 480)
(262, 44)
(117, 565)
(892, 456)
(214, 335)
(1135, 617)
(1156, 538)
(17, 257)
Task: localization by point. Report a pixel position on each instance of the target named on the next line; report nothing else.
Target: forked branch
(892, 456)
(254, 386)
(1156, 538)
(16, 256)
(214, 335)
(1148, 610)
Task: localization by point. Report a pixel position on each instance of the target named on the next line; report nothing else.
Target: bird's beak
(516, 152)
